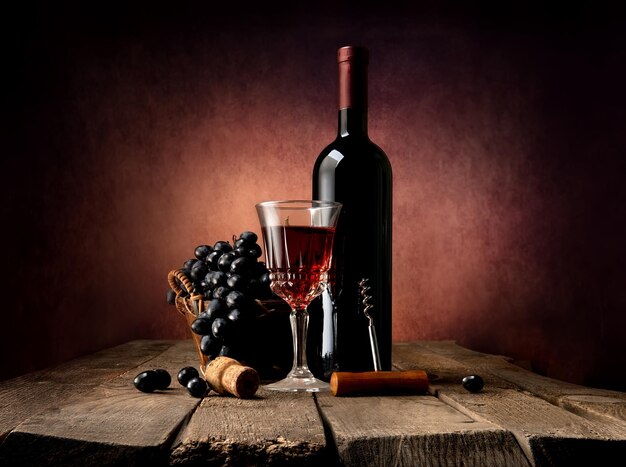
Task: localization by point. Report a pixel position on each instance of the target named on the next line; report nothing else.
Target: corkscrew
(366, 302)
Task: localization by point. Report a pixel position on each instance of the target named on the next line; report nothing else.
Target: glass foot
(298, 383)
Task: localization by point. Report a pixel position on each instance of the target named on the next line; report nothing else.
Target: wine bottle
(355, 172)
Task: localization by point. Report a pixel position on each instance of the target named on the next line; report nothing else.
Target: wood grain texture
(271, 429)
(549, 434)
(87, 412)
(414, 430)
(599, 404)
(113, 424)
(30, 394)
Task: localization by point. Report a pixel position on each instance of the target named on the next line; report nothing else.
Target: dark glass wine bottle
(357, 173)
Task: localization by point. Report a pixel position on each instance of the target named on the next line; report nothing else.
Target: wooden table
(87, 412)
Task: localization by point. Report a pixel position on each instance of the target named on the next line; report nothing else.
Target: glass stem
(299, 318)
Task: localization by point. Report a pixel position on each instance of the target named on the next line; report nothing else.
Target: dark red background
(135, 133)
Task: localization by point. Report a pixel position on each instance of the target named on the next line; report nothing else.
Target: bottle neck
(352, 91)
(352, 122)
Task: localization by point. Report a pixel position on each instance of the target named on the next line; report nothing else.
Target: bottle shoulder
(350, 150)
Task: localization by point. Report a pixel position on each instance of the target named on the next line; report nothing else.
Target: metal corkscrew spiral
(366, 302)
(366, 299)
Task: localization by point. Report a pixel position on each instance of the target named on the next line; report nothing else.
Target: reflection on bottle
(322, 338)
(329, 334)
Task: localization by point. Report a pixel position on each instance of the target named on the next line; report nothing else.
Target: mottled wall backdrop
(134, 134)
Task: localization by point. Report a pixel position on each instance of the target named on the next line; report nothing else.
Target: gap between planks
(114, 424)
(547, 431)
(30, 394)
(601, 405)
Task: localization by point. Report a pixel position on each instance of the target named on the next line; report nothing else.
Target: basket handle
(187, 287)
(182, 279)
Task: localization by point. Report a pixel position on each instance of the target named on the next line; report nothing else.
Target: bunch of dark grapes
(230, 278)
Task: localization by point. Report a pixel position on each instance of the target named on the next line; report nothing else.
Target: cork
(227, 376)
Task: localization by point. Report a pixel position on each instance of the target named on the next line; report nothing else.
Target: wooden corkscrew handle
(344, 383)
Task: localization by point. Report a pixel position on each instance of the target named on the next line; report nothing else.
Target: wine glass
(298, 237)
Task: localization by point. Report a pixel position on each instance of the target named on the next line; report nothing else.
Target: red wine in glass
(298, 258)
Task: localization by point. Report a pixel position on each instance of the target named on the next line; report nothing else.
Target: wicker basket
(273, 354)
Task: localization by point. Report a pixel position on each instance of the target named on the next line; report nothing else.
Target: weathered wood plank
(414, 430)
(100, 419)
(272, 429)
(549, 434)
(610, 408)
(113, 424)
(28, 395)
(599, 404)
(438, 367)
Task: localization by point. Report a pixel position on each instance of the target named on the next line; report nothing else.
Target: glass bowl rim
(303, 204)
